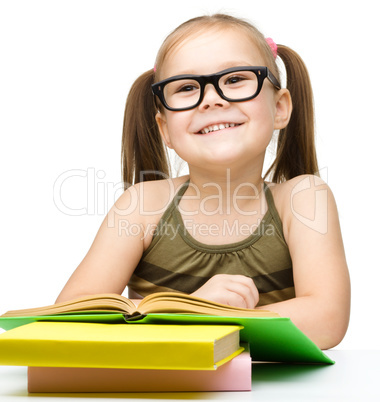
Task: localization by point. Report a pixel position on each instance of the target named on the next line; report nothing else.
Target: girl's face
(254, 121)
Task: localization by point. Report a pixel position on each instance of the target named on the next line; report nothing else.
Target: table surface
(354, 377)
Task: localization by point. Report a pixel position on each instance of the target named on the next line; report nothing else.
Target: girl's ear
(284, 109)
(163, 128)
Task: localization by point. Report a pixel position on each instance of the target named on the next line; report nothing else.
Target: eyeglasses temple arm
(273, 80)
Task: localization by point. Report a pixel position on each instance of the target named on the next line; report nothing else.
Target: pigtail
(143, 155)
(296, 152)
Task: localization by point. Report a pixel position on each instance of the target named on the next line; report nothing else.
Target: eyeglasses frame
(260, 71)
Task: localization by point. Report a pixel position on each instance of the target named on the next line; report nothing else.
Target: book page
(167, 302)
(93, 303)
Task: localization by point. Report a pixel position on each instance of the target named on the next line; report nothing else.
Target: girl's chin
(221, 159)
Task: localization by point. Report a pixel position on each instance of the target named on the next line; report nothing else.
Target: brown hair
(296, 152)
(144, 155)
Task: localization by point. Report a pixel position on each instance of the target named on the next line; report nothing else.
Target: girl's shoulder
(302, 197)
(303, 184)
(145, 203)
(156, 195)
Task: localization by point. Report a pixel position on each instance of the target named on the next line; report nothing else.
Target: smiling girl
(225, 232)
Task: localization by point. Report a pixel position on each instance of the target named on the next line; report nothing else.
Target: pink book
(234, 375)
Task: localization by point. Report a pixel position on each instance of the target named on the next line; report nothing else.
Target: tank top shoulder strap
(180, 193)
(174, 203)
(272, 207)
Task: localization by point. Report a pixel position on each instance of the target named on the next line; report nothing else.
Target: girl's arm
(321, 307)
(114, 254)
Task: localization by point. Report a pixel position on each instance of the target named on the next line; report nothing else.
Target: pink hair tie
(273, 46)
(155, 68)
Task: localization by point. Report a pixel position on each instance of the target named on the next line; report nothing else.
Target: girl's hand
(233, 290)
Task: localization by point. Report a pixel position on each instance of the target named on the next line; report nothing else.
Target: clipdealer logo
(99, 195)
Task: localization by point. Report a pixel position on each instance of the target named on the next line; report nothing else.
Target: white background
(65, 71)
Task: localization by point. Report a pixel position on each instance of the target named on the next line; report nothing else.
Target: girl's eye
(181, 88)
(186, 87)
(234, 79)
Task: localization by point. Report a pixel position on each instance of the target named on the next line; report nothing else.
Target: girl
(223, 233)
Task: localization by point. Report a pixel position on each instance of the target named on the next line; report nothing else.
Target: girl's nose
(212, 99)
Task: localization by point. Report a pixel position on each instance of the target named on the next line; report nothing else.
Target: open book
(271, 337)
(162, 302)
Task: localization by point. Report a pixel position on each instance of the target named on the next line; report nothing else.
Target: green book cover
(272, 339)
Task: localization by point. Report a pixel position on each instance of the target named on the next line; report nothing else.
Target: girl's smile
(217, 127)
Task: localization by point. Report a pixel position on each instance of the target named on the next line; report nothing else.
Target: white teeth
(217, 127)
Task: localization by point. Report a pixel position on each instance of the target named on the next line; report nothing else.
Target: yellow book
(135, 346)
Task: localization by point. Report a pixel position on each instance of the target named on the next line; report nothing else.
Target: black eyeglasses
(236, 84)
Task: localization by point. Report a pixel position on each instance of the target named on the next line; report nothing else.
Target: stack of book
(170, 342)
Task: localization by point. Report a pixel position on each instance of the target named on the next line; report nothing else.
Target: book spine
(136, 355)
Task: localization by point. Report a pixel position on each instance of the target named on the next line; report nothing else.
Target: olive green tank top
(176, 262)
